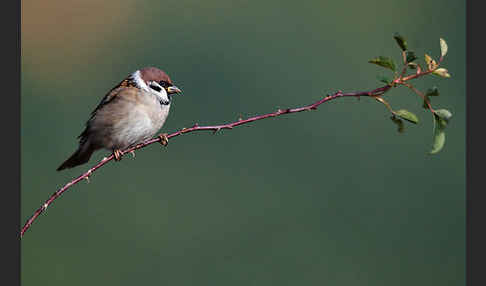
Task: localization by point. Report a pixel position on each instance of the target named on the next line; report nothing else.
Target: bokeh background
(333, 197)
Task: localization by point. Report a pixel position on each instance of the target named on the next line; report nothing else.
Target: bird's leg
(164, 140)
(118, 154)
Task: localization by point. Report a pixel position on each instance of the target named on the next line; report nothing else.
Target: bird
(130, 113)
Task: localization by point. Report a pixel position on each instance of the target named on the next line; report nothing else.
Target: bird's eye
(155, 86)
(164, 84)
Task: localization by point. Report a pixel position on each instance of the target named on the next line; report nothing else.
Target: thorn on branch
(133, 153)
(87, 176)
(216, 130)
(195, 125)
(44, 206)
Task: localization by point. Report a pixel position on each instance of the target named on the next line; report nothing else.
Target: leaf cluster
(431, 66)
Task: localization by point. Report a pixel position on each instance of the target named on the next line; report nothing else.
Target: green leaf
(433, 91)
(400, 41)
(399, 123)
(384, 79)
(442, 72)
(412, 65)
(384, 62)
(443, 47)
(444, 116)
(431, 64)
(439, 141)
(407, 115)
(410, 56)
(441, 119)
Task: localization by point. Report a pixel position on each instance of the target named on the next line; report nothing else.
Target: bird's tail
(79, 157)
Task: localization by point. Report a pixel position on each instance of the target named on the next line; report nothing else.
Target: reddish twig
(400, 79)
(196, 127)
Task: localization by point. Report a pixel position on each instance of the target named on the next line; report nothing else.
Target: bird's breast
(157, 113)
(141, 123)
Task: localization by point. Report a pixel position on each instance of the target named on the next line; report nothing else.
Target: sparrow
(130, 113)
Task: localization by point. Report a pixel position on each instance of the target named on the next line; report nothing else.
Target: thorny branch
(196, 127)
(376, 94)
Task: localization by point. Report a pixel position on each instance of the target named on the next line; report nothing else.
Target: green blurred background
(333, 197)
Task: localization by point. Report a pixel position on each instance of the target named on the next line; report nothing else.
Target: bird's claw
(164, 140)
(118, 154)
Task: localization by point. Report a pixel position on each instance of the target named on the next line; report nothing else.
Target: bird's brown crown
(154, 74)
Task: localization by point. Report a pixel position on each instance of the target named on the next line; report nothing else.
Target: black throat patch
(164, 103)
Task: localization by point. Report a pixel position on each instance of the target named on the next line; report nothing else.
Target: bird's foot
(164, 140)
(118, 154)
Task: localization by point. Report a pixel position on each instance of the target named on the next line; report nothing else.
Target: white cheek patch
(140, 82)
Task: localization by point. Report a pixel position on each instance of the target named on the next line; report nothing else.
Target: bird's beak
(173, 89)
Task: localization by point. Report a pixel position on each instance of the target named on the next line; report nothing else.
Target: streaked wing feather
(127, 83)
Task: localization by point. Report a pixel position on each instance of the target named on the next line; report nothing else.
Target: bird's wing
(125, 89)
(117, 90)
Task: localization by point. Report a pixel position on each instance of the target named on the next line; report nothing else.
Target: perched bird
(131, 112)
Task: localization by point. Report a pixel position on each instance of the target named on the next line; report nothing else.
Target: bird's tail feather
(79, 157)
